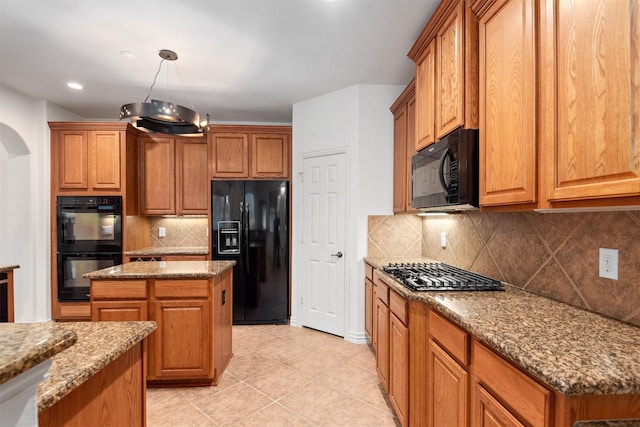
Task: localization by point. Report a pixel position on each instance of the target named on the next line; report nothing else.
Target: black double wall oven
(89, 233)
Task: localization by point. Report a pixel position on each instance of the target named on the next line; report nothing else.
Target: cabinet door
(400, 160)
(229, 154)
(411, 149)
(157, 176)
(426, 98)
(399, 368)
(449, 88)
(192, 177)
(382, 347)
(223, 318)
(181, 344)
(488, 412)
(118, 311)
(448, 389)
(508, 104)
(590, 98)
(368, 308)
(105, 150)
(73, 160)
(270, 155)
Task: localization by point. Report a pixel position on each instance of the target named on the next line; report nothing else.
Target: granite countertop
(162, 269)
(574, 351)
(150, 251)
(99, 343)
(24, 345)
(609, 423)
(5, 268)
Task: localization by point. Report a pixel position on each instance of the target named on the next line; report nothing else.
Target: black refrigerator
(250, 224)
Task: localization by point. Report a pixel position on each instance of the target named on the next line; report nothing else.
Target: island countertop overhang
(162, 270)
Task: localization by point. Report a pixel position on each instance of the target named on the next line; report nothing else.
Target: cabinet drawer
(453, 339)
(118, 289)
(529, 400)
(198, 288)
(368, 271)
(382, 290)
(398, 306)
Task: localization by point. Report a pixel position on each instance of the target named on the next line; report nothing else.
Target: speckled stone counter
(5, 268)
(157, 251)
(610, 423)
(98, 344)
(24, 345)
(574, 351)
(162, 269)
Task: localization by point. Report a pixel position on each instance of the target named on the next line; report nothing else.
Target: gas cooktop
(437, 276)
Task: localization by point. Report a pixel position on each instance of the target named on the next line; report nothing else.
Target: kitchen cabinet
(508, 103)
(95, 158)
(249, 151)
(193, 342)
(446, 57)
(173, 175)
(447, 375)
(588, 99)
(399, 356)
(404, 145)
(563, 138)
(382, 331)
(499, 385)
(369, 301)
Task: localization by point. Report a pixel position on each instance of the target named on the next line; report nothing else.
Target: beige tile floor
(282, 376)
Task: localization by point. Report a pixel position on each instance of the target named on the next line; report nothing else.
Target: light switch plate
(162, 232)
(443, 239)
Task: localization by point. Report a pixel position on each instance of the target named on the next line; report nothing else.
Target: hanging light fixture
(164, 116)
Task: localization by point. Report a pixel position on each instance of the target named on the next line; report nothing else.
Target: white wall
(358, 119)
(24, 192)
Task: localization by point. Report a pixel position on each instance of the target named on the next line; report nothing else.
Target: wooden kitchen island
(192, 304)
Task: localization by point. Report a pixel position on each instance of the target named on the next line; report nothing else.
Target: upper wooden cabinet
(589, 101)
(404, 143)
(558, 115)
(249, 151)
(508, 103)
(173, 175)
(96, 158)
(446, 57)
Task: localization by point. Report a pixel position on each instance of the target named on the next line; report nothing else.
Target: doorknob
(339, 254)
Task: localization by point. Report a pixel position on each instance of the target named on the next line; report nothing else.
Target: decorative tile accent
(554, 255)
(180, 232)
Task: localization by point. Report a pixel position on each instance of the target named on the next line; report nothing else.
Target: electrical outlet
(162, 232)
(443, 239)
(608, 263)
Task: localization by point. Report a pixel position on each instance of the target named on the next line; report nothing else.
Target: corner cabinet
(404, 146)
(446, 57)
(173, 175)
(249, 152)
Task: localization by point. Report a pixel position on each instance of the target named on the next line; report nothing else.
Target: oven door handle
(447, 153)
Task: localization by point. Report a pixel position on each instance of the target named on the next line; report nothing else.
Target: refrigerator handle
(242, 237)
(246, 238)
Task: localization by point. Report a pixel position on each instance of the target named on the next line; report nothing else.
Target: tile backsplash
(180, 232)
(555, 255)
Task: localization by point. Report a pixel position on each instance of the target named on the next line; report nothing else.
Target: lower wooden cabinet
(369, 301)
(448, 389)
(193, 342)
(382, 345)
(488, 412)
(399, 368)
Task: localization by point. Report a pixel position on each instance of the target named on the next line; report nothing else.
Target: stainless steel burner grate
(440, 277)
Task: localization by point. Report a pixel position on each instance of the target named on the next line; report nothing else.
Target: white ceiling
(239, 60)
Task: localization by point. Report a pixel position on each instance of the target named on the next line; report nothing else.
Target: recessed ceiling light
(75, 85)
(127, 54)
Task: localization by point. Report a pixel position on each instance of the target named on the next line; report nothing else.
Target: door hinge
(301, 175)
(301, 301)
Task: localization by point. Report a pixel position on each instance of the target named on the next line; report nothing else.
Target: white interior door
(324, 185)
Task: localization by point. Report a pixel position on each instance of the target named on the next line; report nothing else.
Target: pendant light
(164, 116)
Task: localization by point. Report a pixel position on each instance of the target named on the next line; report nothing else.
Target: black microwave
(444, 175)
